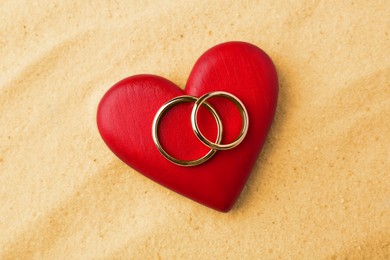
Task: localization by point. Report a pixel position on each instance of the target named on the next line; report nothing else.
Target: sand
(320, 188)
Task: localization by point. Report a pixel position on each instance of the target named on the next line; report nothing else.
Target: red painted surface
(126, 113)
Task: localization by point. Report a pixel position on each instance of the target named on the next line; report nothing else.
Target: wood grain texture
(126, 113)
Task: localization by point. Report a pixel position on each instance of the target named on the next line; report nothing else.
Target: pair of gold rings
(214, 146)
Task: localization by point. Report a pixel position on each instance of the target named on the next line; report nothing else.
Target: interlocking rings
(214, 146)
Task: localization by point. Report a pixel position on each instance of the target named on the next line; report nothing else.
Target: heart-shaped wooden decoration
(127, 110)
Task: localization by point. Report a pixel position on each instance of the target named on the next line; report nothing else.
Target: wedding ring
(244, 114)
(164, 109)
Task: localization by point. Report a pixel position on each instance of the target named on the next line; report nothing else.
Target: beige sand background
(320, 188)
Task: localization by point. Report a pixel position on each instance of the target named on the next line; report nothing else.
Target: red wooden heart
(126, 113)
